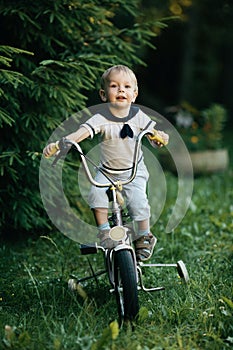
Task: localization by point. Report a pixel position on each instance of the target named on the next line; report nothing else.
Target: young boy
(119, 123)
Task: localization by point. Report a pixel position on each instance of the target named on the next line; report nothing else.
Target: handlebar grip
(54, 150)
(59, 149)
(158, 138)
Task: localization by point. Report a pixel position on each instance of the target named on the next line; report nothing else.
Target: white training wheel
(72, 285)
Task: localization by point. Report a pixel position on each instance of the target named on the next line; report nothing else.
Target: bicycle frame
(125, 241)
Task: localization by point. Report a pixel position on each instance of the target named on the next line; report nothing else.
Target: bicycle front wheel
(125, 276)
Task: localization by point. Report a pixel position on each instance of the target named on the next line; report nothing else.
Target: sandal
(144, 247)
(105, 241)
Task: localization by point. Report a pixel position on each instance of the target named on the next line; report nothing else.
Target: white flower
(184, 119)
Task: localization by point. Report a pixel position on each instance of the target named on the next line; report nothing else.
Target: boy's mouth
(121, 98)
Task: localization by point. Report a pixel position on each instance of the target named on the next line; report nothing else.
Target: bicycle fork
(110, 256)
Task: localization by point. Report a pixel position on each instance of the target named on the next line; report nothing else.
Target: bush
(51, 56)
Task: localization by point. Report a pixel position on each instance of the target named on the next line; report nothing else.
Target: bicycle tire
(125, 276)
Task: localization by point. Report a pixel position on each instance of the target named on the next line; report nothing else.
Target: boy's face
(120, 89)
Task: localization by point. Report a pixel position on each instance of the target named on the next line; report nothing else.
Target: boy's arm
(81, 134)
(78, 136)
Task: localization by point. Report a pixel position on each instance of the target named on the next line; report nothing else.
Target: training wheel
(182, 271)
(72, 285)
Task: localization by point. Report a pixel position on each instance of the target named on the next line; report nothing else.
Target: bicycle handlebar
(66, 143)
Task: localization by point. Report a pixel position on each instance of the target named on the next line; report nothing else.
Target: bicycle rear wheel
(125, 276)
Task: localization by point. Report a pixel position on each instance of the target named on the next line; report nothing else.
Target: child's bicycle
(123, 270)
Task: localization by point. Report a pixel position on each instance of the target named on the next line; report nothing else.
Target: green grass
(40, 313)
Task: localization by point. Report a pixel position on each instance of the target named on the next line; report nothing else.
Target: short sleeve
(147, 122)
(93, 125)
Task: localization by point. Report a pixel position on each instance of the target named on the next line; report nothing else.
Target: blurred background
(192, 58)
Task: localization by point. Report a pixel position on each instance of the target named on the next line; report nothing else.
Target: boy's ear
(135, 96)
(102, 95)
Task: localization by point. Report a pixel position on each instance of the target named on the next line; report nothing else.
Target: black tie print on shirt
(126, 131)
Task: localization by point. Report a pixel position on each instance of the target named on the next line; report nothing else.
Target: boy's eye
(113, 85)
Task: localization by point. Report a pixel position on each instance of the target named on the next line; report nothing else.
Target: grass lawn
(38, 312)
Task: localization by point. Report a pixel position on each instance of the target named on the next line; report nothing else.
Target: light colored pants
(134, 193)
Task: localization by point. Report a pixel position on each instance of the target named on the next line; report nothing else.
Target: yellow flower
(194, 139)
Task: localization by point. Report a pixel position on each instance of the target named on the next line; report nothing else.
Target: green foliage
(215, 117)
(200, 129)
(51, 58)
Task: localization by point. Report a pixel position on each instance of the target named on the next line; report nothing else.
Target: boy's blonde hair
(119, 68)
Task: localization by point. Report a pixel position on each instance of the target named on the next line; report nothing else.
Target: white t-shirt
(117, 153)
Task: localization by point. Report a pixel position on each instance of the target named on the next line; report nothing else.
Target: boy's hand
(159, 137)
(51, 149)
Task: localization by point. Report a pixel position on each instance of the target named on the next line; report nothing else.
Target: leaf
(9, 50)
(114, 326)
(228, 301)
(143, 314)
(48, 62)
(5, 117)
(81, 291)
(109, 333)
(229, 340)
